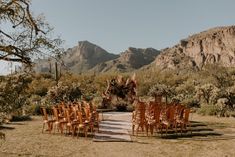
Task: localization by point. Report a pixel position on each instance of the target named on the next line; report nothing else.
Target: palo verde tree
(22, 35)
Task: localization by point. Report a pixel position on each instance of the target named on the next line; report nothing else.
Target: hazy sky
(116, 25)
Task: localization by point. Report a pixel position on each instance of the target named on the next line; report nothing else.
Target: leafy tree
(63, 92)
(160, 90)
(23, 35)
(40, 85)
(13, 93)
(208, 93)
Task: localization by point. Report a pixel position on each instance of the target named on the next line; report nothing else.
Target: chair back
(44, 113)
(186, 115)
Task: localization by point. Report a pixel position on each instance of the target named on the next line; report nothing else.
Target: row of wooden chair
(73, 117)
(158, 116)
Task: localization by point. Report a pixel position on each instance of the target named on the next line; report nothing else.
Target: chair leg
(85, 131)
(78, 132)
(50, 127)
(43, 125)
(133, 130)
(190, 128)
(151, 130)
(181, 129)
(166, 129)
(147, 128)
(161, 129)
(55, 127)
(137, 130)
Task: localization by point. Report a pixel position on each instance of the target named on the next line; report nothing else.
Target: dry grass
(26, 139)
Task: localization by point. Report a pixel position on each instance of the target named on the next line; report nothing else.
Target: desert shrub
(211, 110)
(121, 107)
(98, 102)
(35, 109)
(13, 93)
(208, 93)
(40, 86)
(161, 90)
(63, 92)
(130, 108)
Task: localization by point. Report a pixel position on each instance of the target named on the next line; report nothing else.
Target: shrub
(121, 107)
(63, 92)
(210, 110)
(21, 118)
(35, 109)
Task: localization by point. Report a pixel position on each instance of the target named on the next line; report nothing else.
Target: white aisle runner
(114, 128)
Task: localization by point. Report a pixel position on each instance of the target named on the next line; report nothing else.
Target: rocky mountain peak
(214, 46)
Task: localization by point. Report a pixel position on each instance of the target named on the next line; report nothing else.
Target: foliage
(23, 35)
(160, 90)
(13, 94)
(202, 89)
(211, 110)
(208, 93)
(40, 85)
(63, 92)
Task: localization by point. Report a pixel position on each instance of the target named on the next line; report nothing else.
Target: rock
(214, 46)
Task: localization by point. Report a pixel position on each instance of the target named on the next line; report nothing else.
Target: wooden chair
(158, 109)
(138, 117)
(151, 116)
(184, 122)
(82, 125)
(46, 120)
(169, 120)
(60, 121)
(71, 122)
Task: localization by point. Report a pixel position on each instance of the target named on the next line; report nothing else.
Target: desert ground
(211, 136)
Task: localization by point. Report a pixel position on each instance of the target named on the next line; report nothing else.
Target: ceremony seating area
(71, 118)
(160, 117)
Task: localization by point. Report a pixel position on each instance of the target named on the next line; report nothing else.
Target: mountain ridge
(212, 46)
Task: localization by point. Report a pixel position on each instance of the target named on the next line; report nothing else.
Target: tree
(23, 36)
(13, 93)
(160, 90)
(208, 93)
(64, 92)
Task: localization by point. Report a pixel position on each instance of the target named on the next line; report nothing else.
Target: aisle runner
(113, 130)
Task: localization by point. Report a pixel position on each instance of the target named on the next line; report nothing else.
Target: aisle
(114, 128)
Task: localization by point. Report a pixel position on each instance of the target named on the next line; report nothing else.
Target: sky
(116, 25)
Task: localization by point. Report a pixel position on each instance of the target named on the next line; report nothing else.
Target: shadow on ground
(199, 131)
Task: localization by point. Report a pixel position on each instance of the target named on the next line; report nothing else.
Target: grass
(25, 139)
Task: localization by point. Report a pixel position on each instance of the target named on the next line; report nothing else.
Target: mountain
(214, 46)
(88, 57)
(131, 59)
(78, 59)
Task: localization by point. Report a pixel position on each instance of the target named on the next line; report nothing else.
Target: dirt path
(26, 139)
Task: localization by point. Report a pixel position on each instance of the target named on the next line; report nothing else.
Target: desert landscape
(26, 139)
(117, 78)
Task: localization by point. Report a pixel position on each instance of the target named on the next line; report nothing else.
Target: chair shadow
(198, 129)
(3, 127)
(110, 139)
(16, 123)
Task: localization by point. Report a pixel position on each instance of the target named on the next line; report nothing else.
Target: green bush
(210, 110)
(35, 109)
(130, 108)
